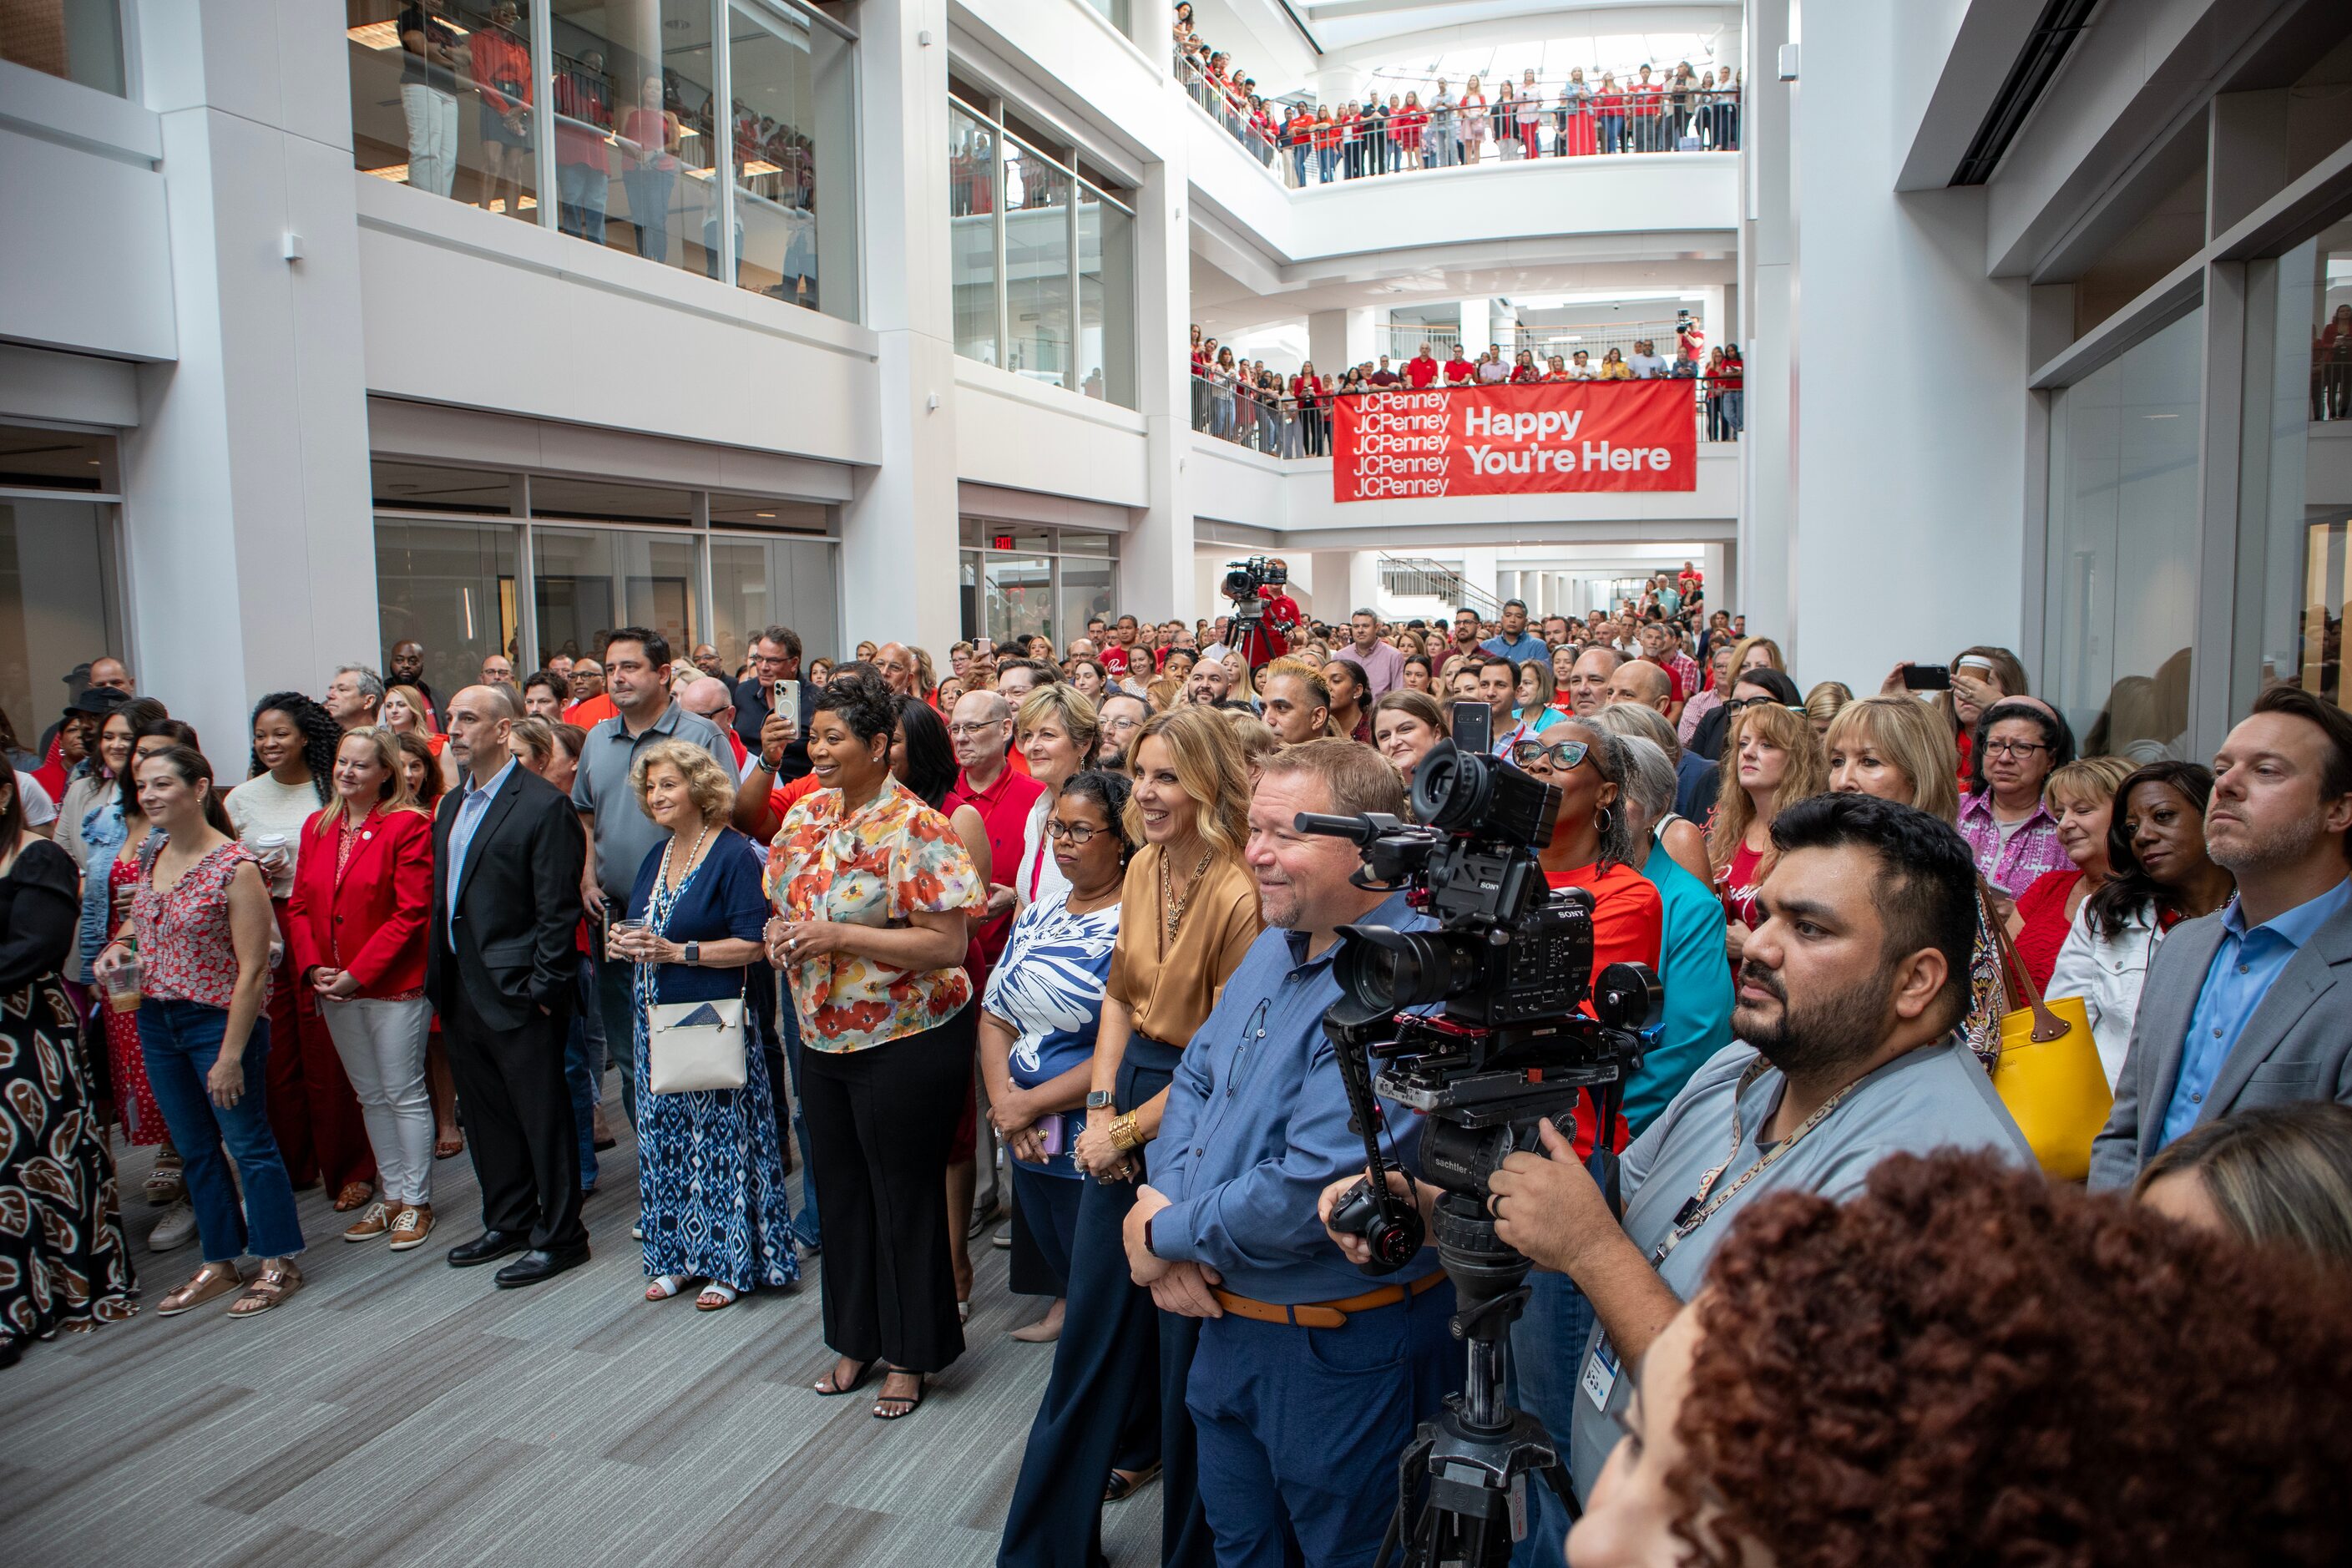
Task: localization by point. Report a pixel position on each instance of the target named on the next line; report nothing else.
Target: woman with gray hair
(1697, 1021)
(1678, 836)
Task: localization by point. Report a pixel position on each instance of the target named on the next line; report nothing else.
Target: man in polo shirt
(1420, 371)
(1384, 376)
(1460, 372)
(620, 835)
(1514, 642)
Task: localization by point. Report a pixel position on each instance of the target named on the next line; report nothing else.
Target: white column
(247, 497)
(898, 530)
(1337, 338)
(1479, 570)
(1158, 577)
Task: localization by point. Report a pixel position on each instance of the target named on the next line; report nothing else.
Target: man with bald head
(710, 697)
(500, 970)
(1211, 679)
(981, 730)
(1587, 679)
(896, 663)
(1645, 684)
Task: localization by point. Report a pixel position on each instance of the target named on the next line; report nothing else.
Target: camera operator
(1848, 996)
(1307, 1384)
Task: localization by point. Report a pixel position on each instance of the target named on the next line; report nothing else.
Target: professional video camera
(1245, 578)
(1506, 1049)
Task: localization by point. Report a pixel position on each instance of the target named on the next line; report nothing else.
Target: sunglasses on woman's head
(1559, 756)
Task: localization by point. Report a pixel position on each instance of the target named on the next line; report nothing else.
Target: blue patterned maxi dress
(711, 1173)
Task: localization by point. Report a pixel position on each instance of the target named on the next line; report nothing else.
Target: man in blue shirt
(2252, 1006)
(1515, 642)
(1310, 1375)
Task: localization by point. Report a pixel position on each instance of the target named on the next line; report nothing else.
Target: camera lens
(1383, 969)
(1449, 790)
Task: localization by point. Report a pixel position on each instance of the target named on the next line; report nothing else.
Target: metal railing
(1418, 577)
(1279, 424)
(1566, 340)
(1448, 133)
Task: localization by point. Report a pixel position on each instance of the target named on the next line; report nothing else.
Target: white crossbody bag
(695, 1046)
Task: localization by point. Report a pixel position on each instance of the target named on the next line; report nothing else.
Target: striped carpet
(400, 1411)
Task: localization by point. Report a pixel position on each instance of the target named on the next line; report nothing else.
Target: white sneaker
(175, 1229)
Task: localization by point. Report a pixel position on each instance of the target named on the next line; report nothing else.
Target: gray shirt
(624, 834)
(1936, 1097)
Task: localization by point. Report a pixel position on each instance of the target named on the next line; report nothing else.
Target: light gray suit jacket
(2296, 1048)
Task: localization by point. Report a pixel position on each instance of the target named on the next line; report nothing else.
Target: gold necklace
(1171, 903)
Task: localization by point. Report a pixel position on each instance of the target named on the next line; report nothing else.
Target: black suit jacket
(518, 904)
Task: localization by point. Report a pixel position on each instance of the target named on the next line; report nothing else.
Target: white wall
(99, 202)
(1011, 431)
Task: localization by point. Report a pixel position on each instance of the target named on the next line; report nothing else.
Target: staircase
(1432, 589)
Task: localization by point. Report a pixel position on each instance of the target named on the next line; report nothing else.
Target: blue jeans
(1609, 130)
(580, 200)
(649, 209)
(805, 1224)
(1546, 1356)
(1299, 152)
(584, 1064)
(1327, 163)
(179, 1041)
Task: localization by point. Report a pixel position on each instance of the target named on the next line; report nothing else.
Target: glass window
(38, 459)
(760, 582)
(1075, 542)
(1106, 299)
(451, 587)
(1036, 266)
(967, 593)
(2124, 526)
(794, 104)
(971, 233)
(80, 40)
(417, 486)
(769, 513)
(586, 583)
(59, 607)
(1113, 11)
(1019, 598)
(442, 100)
(1086, 590)
(557, 497)
(2297, 506)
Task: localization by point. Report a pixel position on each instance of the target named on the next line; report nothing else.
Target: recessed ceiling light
(764, 514)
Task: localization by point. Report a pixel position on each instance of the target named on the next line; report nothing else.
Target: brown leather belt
(1325, 1314)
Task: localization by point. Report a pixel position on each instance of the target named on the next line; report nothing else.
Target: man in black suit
(507, 860)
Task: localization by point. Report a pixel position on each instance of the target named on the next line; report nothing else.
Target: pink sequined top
(185, 951)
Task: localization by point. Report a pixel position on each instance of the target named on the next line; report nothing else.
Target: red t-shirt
(1458, 369)
(1649, 97)
(1629, 922)
(1420, 372)
(1003, 810)
(591, 711)
(1114, 659)
(2042, 908)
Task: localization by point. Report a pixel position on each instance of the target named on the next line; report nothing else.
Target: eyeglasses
(967, 731)
(1561, 757)
(2013, 748)
(1741, 704)
(1079, 834)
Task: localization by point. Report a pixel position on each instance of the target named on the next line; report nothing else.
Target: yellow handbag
(2049, 1073)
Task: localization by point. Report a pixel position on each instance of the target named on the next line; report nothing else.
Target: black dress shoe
(540, 1263)
(485, 1247)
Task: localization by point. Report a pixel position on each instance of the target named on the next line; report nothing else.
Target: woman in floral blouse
(872, 890)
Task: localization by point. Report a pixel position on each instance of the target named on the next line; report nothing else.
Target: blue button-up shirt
(1256, 1127)
(470, 812)
(2243, 969)
(1525, 648)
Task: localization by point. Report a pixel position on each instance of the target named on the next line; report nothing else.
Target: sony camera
(1245, 578)
(1479, 1024)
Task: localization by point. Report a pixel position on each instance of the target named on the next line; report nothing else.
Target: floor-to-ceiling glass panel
(1106, 299)
(59, 608)
(1019, 596)
(634, 150)
(793, 103)
(1036, 266)
(2124, 520)
(1087, 589)
(759, 583)
(442, 99)
(972, 216)
(588, 582)
(451, 587)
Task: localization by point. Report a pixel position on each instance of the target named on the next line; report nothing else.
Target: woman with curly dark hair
(1965, 1365)
(312, 1111)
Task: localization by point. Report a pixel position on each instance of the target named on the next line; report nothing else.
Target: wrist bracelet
(768, 767)
(1125, 1136)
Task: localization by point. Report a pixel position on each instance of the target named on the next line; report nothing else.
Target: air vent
(2045, 50)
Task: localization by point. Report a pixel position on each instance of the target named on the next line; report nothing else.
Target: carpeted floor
(400, 1411)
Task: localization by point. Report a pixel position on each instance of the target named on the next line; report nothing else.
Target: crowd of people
(1245, 401)
(876, 919)
(1644, 109)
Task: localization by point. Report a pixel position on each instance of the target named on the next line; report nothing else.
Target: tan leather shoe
(374, 1222)
(411, 1226)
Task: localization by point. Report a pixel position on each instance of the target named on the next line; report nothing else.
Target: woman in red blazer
(356, 925)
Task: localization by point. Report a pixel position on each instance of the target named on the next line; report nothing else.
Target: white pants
(432, 137)
(382, 1047)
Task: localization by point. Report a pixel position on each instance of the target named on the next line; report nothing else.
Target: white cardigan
(2107, 974)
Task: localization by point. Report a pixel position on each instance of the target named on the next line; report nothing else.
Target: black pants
(1118, 1372)
(516, 1105)
(880, 1121)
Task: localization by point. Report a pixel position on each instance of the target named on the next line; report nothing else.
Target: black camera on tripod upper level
(1245, 578)
(1508, 970)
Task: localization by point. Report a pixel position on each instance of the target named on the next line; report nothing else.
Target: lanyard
(1698, 1209)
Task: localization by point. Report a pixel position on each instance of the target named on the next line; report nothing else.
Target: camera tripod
(1476, 1460)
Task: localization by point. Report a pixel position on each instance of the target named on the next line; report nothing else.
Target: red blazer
(381, 907)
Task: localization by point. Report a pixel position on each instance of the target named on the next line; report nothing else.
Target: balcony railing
(1450, 135)
(1280, 425)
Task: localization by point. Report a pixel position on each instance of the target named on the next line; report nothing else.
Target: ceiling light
(764, 514)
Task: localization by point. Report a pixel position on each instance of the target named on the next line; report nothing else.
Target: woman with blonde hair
(711, 1171)
(1059, 734)
(2278, 1175)
(1825, 702)
(356, 925)
(1190, 912)
(1776, 760)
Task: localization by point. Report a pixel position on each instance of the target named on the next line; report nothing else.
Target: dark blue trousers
(1301, 1429)
(1119, 1382)
(1546, 1358)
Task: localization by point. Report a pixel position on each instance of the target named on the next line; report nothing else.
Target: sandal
(268, 1289)
(830, 1385)
(167, 1184)
(1122, 1486)
(715, 1296)
(665, 1286)
(209, 1283)
(912, 1402)
(354, 1195)
(449, 1146)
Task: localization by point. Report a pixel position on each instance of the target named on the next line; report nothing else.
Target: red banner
(1516, 440)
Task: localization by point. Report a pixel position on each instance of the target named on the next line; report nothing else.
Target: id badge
(1600, 1378)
